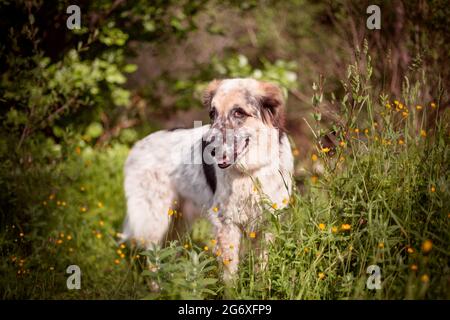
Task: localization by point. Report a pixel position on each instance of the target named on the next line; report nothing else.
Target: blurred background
(72, 102)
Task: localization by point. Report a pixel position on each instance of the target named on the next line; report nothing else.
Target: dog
(229, 171)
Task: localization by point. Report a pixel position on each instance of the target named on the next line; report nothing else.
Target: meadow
(382, 198)
(368, 120)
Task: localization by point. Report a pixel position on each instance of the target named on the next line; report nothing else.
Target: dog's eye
(239, 113)
(212, 113)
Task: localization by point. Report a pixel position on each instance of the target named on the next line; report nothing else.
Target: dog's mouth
(239, 148)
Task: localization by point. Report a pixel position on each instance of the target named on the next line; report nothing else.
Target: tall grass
(380, 196)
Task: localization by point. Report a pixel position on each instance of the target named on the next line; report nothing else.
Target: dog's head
(247, 117)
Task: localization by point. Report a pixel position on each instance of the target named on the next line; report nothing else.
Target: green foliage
(70, 109)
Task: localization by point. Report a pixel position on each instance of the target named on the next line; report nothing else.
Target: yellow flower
(117, 261)
(83, 209)
(218, 253)
(410, 250)
(51, 197)
(226, 261)
(101, 223)
(274, 206)
(122, 256)
(366, 131)
(98, 235)
(21, 234)
(213, 242)
(427, 245)
(252, 235)
(231, 246)
(425, 278)
(325, 150)
(186, 246)
(381, 245)
(306, 250)
(119, 252)
(423, 133)
(396, 102)
(295, 152)
(170, 212)
(341, 158)
(63, 203)
(433, 105)
(418, 107)
(314, 179)
(413, 267)
(322, 226)
(405, 114)
(321, 275)
(69, 237)
(314, 157)
(433, 189)
(285, 201)
(59, 241)
(122, 246)
(82, 188)
(215, 209)
(58, 203)
(401, 142)
(334, 229)
(100, 204)
(342, 143)
(346, 227)
(205, 248)
(388, 105)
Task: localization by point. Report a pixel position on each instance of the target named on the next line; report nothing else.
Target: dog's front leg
(228, 240)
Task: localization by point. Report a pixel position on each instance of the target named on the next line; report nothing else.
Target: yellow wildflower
(427, 245)
(346, 227)
(414, 267)
(215, 209)
(425, 278)
(322, 226)
(325, 150)
(314, 157)
(334, 229)
(321, 275)
(252, 235)
(381, 245)
(423, 133)
(418, 107)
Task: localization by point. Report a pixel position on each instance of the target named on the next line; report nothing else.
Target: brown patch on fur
(272, 103)
(209, 93)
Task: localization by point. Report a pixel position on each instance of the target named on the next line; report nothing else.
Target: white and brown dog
(229, 170)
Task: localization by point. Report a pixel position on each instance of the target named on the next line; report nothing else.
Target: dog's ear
(272, 104)
(209, 93)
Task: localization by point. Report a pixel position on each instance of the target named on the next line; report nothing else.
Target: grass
(381, 198)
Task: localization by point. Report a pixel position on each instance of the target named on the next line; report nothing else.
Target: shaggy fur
(222, 171)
